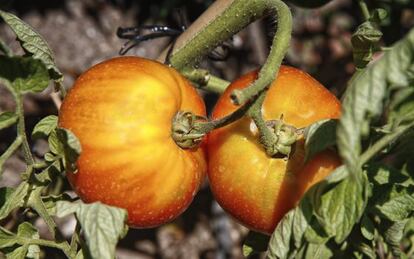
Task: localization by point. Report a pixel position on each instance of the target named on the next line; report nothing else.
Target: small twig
(364, 9)
(12, 148)
(206, 81)
(185, 128)
(5, 49)
(21, 129)
(56, 99)
(384, 142)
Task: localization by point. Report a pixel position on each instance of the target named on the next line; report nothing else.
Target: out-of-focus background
(83, 33)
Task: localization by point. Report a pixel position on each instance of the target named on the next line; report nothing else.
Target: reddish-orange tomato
(121, 110)
(254, 188)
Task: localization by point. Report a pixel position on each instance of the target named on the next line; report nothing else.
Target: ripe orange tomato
(254, 188)
(121, 110)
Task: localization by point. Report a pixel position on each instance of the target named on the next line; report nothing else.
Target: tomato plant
(254, 188)
(121, 111)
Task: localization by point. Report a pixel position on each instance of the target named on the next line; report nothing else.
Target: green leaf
(367, 250)
(255, 243)
(301, 218)
(80, 255)
(54, 144)
(289, 233)
(367, 228)
(45, 126)
(315, 233)
(339, 174)
(50, 157)
(27, 230)
(393, 235)
(320, 251)
(401, 108)
(364, 42)
(18, 245)
(14, 199)
(50, 202)
(33, 43)
(380, 175)
(364, 97)
(71, 148)
(319, 136)
(7, 238)
(18, 253)
(102, 225)
(340, 206)
(397, 204)
(7, 119)
(5, 193)
(48, 174)
(279, 245)
(378, 15)
(25, 74)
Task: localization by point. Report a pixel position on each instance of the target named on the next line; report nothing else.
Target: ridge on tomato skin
(255, 189)
(121, 110)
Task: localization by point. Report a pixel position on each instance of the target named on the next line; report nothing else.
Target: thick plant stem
(221, 20)
(12, 148)
(384, 142)
(21, 129)
(271, 67)
(35, 202)
(205, 127)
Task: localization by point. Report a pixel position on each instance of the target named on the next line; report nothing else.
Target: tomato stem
(364, 9)
(220, 21)
(278, 50)
(384, 142)
(10, 150)
(206, 81)
(267, 137)
(21, 128)
(188, 131)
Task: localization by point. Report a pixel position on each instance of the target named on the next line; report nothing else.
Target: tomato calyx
(285, 137)
(189, 129)
(186, 129)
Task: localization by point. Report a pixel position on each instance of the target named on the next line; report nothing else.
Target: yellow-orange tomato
(254, 188)
(121, 110)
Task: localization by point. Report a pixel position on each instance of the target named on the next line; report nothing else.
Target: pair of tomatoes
(122, 109)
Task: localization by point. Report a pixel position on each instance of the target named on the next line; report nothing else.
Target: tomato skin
(121, 110)
(255, 189)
